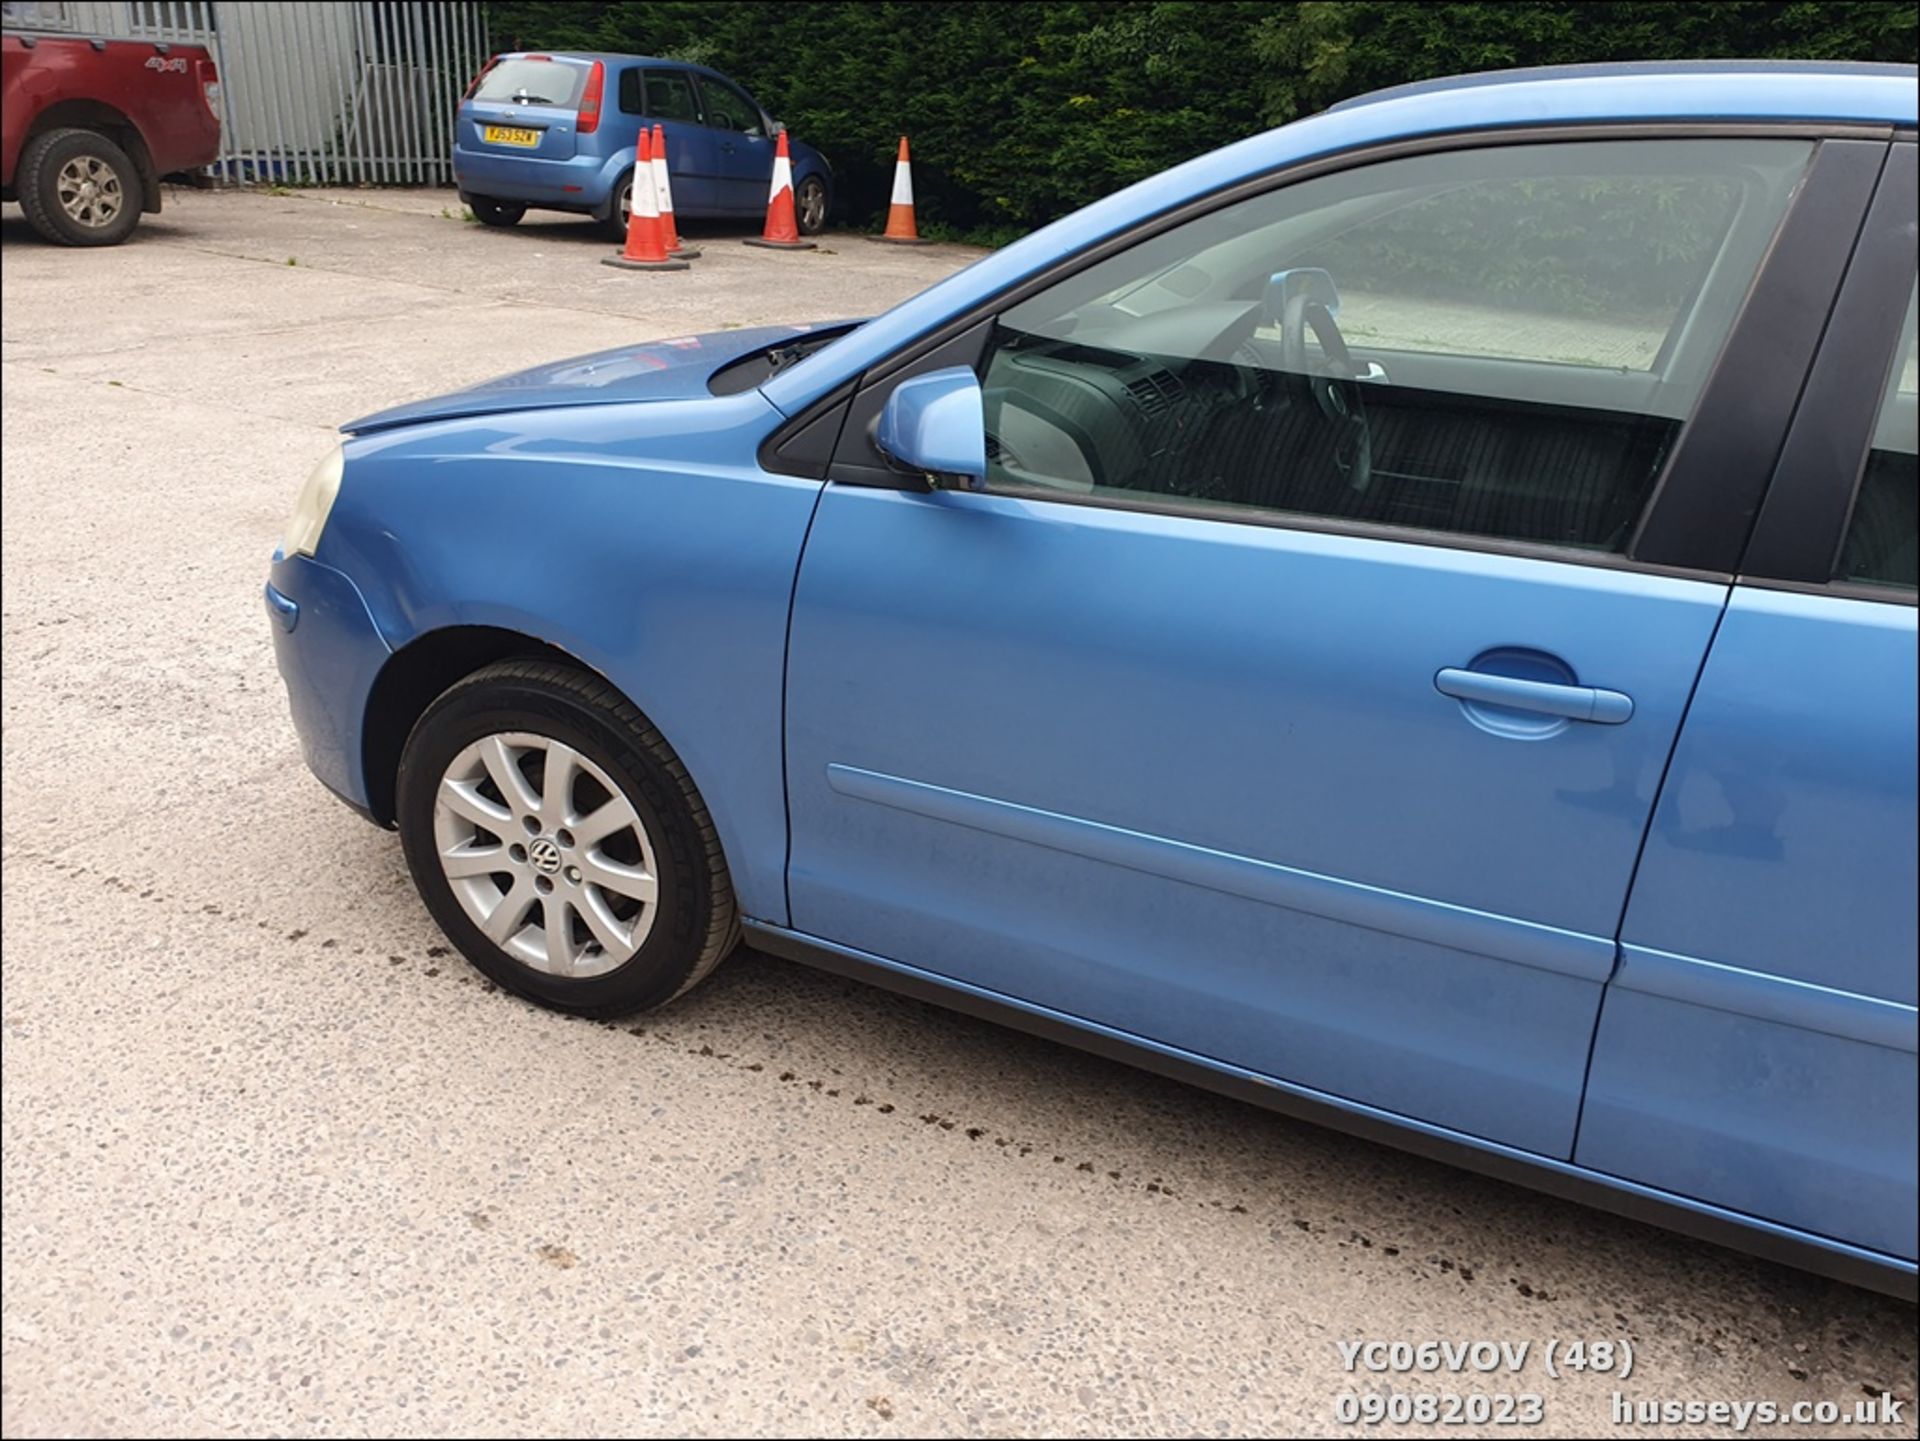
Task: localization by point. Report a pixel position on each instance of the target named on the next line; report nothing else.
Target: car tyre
(570, 897)
(810, 205)
(497, 213)
(615, 225)
(77, 187)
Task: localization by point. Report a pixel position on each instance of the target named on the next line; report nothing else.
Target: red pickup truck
(90, 126)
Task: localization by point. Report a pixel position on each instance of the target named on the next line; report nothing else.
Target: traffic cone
(781, 233)
(663, 192)
(645, 250)
(900, 227)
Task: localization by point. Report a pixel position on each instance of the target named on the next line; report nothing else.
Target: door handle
(1576, 702)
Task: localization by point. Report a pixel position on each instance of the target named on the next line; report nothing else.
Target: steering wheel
(1329, 383)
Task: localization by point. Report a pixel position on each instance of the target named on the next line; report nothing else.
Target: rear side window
(670, 96)
(1881, 546)
(630, 103)
(532, 82)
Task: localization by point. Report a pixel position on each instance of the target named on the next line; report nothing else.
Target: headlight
(310, 508)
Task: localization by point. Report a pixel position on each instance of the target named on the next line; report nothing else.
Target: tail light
(588, 119)
(474, 84)
(210, 86)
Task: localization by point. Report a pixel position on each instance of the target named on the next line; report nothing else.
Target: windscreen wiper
(781, 356)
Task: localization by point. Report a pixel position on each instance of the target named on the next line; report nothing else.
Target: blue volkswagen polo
(1408, 619)
(558, 132)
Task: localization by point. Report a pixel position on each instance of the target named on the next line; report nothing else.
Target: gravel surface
(276, 1161)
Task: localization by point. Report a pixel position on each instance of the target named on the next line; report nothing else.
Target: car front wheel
(560, 844)
(77, 187)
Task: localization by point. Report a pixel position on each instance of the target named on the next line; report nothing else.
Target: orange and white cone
(782, 232)
(646, 250)
(900, 227)
(663, 192)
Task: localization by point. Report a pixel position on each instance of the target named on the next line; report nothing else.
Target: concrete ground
(276, 1161)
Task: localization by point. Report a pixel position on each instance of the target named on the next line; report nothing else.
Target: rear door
(743, 148)
(1757, 1048)
(1193, 726)
(527, 105)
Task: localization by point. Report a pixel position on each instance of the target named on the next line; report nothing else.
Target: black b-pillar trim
(1800, 529)
(1718, 474)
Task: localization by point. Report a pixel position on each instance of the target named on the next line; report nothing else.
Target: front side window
(728, 109)
(1882, 545)
(1501, 342)
(670, 96)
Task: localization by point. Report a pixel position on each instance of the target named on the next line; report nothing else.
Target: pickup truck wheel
(78, 188)
(560, 844)
(500, 213)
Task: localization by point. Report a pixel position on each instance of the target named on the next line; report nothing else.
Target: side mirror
(935, 426)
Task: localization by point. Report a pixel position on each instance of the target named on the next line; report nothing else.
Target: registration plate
(508, 135)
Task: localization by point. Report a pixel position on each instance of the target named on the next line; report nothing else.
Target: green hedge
(1021, 112)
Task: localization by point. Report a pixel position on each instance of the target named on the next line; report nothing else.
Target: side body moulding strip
(1769, 998)
(1548, 948)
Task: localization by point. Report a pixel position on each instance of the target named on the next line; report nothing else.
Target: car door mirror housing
(935, 426)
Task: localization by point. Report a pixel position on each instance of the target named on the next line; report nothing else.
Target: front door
(742, 148)
(1304, 722)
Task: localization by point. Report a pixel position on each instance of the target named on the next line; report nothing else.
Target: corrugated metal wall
(327, 92)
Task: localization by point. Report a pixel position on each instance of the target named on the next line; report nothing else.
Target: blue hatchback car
(1408, 619)
(558, 132)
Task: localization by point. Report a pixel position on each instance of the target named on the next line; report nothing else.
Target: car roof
(1757, 76)
(609, 57)
(583, 56)
(1816, 93)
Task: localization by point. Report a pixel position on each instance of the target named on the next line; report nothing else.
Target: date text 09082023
(1374, 1408)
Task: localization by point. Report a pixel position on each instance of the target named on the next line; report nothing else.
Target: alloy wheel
(545, 854)
(89, 191)
(812, 203)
